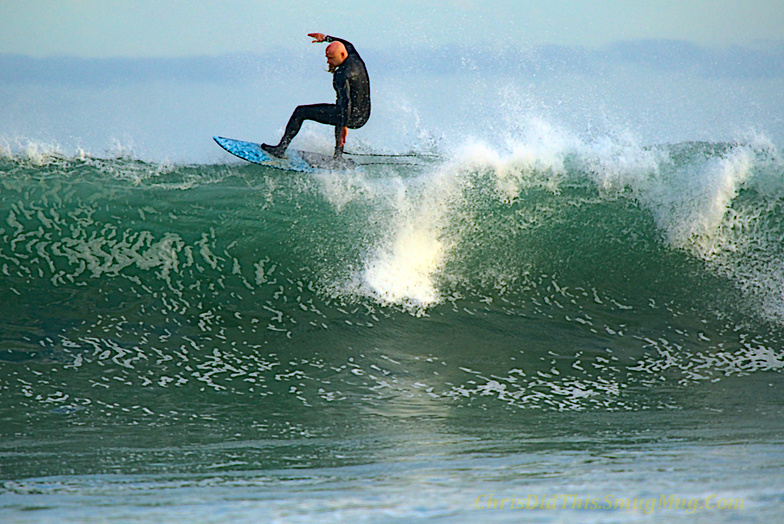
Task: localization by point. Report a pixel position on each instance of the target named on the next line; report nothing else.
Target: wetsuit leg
(322, 113)
(338, 149)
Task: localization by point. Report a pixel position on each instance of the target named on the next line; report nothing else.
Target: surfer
(352, 108)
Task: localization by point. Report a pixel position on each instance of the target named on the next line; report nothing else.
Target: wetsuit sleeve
(349, 45)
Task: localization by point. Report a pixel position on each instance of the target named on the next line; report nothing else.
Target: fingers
(317, 37)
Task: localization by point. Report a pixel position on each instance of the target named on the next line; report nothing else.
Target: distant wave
(763, 61)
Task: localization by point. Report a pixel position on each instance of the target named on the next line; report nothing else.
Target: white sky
(170, 28)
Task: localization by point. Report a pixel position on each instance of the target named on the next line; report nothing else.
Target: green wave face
(140, 294)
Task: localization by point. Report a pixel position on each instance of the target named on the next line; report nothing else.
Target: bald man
(352, 108)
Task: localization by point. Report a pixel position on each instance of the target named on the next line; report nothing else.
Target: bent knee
(356, 124)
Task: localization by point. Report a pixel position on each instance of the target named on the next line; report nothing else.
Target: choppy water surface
(578, 331)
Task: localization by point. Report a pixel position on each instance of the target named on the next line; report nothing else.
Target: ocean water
(553, 293)
(556, 329)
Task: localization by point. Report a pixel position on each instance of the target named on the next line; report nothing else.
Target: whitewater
(527, 308)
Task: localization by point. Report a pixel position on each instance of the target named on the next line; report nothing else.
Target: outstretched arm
(321, 37)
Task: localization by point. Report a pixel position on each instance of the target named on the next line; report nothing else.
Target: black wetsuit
(352, 108)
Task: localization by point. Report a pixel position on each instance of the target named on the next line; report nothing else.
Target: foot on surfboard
(276, 151)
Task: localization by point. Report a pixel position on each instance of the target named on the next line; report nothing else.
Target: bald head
(336, 53)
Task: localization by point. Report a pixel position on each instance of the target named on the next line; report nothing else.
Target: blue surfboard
(295, 160)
